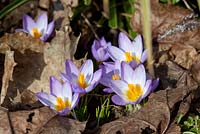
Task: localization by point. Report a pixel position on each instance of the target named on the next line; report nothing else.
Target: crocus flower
(128, 51)
(60, 98)
(83, 80)
(99, 49)
(111, 71)
(133, 86)
(39, 29)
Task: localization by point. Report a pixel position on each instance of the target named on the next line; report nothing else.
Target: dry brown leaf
(184, 55)
(155, 115)
(5, 127)
(62, 125)
(9, 65)
(37, 61)
(195, 69)
(30, 121)
(163, 17)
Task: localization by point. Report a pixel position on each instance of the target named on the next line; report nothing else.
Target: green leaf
(175, 1)
(190, 120)
(87, 2)
(112, 22)
(179, 119)
(13, 5)
(188, 132)
(193, 130)
(129, 9)
(164, 1)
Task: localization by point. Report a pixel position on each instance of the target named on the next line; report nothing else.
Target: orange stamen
(134, 92)
(115, 77)
(61, 104)
(36, 33)
(81, 81)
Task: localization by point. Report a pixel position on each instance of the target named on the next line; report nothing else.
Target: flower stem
(198, 4)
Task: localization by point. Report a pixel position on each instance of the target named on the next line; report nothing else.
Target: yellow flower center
(134, 92)
(61, 104)
(81, 81)
(36, 33)
(115, 77)
(130, 58)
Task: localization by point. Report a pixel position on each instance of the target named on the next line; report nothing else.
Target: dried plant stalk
(146, 25)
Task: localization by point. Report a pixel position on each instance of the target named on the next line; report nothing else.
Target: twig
(91, 27)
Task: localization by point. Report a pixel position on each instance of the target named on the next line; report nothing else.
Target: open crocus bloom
(99, 50)
(60, 98)
(39, 29)
(132, 87)
(83, 80)
(128, 51)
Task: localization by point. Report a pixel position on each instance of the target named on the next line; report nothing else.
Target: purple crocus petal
(87, 67)
(65, 111)
(144, 56)
(106, 77)
(65, 77)
(101, 55)
(21, 30)
(147, 88)
(108, 90)
(138, 46)
(42, 22)
(119, 87)
(44, 37)
(67, 91)
(118, 100)
(96, 78)
(124, 42)
(46, 99)
(71, 71)
(49, 31)
(77, 89)
(127, 72)
(133, 64)
(87, 70)
(94, 48)
(75, 100)
(28, 24)
(116, 53)
(55, 87)
(103, 42)
(50, 28)
(155, 84)
(137, 101)
(108, 66)
(139, 76)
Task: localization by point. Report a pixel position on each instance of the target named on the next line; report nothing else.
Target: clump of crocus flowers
(124, 76)
(39, 29)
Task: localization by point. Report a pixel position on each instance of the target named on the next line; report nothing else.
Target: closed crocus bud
(39, 29)
(99, 49)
